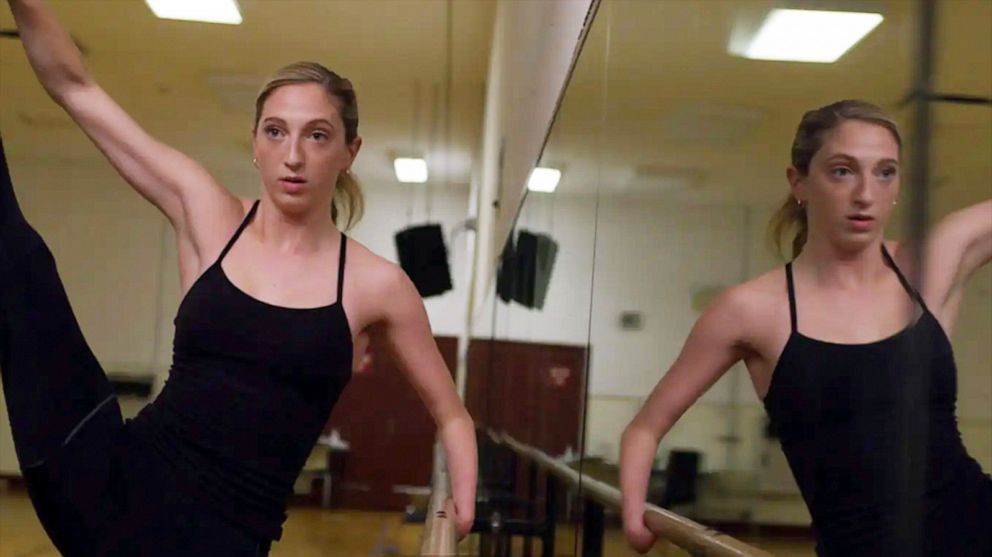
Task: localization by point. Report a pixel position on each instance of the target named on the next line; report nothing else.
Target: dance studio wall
(565, 316)
(117, 259)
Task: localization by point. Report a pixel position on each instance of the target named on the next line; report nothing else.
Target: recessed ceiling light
(544, 180)
(410, 171)
(208, 11)
(807, 35)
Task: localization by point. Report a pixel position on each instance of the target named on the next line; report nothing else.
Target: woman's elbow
(70, 91)
(638, 431)
(457, 418)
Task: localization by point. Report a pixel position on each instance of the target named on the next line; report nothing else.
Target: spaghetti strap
(792, 295)
(902, 279)
(237, 233)
(341, 261)
(9, 209)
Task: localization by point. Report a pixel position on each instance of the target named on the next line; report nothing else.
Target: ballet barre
(694, 538)
(439, 537)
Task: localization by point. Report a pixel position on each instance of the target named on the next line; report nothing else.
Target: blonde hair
(348, 197)
(809, 139)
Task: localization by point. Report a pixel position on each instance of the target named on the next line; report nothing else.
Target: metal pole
(592, 529)
(550, 516)
(914, 408)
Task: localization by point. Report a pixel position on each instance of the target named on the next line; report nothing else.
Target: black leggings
(97, 490)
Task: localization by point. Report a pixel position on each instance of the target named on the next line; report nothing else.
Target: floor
(311, 532)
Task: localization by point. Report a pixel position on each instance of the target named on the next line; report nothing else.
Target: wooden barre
(440, 538)
(695, 538)
(439, 529)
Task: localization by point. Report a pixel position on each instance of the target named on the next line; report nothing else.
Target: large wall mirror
(672, 150)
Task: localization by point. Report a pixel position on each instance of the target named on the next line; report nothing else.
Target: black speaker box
(424, 257)
(506, 277)
(526, 269)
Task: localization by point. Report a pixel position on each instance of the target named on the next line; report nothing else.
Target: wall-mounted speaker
(525, 269)
(424, 257)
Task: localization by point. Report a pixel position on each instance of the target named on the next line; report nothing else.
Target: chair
(682, 474)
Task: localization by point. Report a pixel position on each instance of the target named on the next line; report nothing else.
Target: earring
(895, 202)
(254, 161)
(799, 202)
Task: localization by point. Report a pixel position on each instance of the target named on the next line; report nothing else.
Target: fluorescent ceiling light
(410, 171)
(209, 11)
(544, 180)
(809, 35)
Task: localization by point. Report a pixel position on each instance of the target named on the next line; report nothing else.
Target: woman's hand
(638, 536)
(464, 518)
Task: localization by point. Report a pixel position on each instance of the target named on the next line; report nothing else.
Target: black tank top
(870, 434)
(251, 387)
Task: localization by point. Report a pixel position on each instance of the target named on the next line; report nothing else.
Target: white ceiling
(161, 72)
(656, 97)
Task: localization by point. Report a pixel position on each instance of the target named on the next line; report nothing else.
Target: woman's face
(300, 146)
(852, 184)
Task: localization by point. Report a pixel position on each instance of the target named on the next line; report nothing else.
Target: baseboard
(304, 500)
(13, 482)
(777, 531)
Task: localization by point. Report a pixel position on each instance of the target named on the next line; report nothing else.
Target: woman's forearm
(458, 439)
(637, 452)
(50, 50)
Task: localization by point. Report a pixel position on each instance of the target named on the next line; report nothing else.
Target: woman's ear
(796, 181)
(353, 148)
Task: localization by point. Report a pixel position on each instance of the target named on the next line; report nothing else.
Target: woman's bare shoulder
(377, 288)
(200, 245)
(752, 299)
(373, 272)
(755, 310)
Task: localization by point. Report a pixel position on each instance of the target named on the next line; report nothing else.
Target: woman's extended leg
(55, 389)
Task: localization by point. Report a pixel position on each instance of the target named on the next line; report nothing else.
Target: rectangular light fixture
(809, 35)
(410, 171)
(208, 11)
(544, 180)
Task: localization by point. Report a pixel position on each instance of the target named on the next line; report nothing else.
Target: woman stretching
(275, 299)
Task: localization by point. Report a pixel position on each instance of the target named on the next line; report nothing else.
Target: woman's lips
(292, 184)
(861, 223)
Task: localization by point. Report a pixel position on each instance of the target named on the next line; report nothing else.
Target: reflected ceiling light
(544, 180)
(410, 170)
(208, 11)
(806, 35)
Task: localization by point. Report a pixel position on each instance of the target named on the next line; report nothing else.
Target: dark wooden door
(532, 391)
(390, 433)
